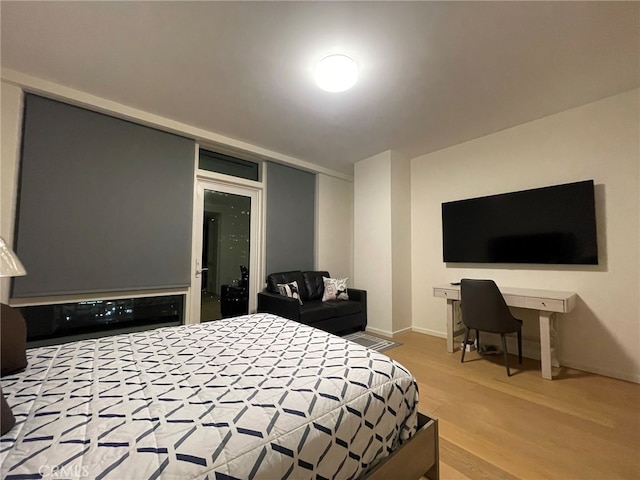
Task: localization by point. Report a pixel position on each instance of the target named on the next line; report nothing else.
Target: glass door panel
(225, 256)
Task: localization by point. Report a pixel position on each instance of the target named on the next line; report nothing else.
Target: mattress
(252, 397)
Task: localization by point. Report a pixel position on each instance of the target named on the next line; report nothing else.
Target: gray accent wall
(290, 222)
(104, 204)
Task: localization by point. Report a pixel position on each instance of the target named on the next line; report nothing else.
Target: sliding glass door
(226, 250)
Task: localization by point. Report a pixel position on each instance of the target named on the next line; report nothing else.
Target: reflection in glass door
(225, 259)
(227, 250)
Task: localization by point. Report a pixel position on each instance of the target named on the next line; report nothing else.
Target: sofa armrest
(357, 295)
(360, 296)
(279, 305)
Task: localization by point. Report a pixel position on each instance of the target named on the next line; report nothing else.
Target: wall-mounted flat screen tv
(549, 225)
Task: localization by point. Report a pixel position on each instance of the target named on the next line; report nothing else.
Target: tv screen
(549, 225)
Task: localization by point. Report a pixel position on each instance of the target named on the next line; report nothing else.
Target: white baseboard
(629, 377)
(426, 331)
(402, 330)
(377, 331)
(386, 333)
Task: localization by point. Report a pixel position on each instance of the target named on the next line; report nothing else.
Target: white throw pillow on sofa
(335, 289)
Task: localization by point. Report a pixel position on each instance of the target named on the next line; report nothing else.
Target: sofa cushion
(314, 284)
(312, 312)
(344, 307)
(290, 290)
(287, 277)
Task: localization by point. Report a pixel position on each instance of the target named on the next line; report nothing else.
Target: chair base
(503, 340)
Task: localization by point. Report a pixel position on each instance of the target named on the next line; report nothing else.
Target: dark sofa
(336, 316)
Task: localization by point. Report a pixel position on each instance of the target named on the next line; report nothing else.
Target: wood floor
(579, 426)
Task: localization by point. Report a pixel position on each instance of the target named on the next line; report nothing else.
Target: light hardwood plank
(579, 426)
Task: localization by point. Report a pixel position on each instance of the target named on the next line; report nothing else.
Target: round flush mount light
(336, 73)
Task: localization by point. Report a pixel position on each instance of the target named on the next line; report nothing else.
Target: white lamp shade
(336, 73)
(10, 266)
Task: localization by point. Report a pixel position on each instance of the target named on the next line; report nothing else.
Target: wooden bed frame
(417, 458)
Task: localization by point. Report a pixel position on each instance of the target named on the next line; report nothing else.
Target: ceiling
(432, 74)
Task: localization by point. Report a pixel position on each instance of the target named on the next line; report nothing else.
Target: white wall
(372, 239)
(401, 242)
(382, 240)
(598, 141)
(334, 227)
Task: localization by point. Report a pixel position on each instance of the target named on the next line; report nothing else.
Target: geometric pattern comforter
(251, 397)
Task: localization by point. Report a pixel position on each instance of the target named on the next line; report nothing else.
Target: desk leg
(450, 326)
(548, 356)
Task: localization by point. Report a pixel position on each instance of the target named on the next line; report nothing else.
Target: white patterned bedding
(252, 397)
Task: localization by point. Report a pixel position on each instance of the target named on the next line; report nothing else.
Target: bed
(251, 397)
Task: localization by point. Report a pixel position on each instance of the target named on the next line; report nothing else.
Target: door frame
(237, 186)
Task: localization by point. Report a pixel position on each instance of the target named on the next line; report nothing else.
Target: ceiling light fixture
(336, 73)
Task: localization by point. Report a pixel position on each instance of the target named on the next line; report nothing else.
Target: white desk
(547, 302)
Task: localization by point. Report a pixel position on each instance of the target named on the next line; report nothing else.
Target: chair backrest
(484, 308)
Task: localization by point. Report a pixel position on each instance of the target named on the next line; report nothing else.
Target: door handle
(200, 270)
